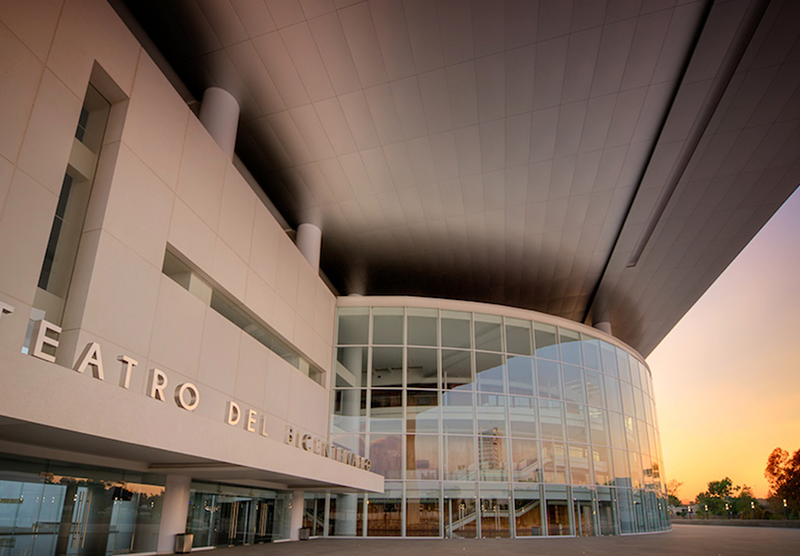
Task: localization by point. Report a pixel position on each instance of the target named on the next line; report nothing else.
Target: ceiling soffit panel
(486, 151)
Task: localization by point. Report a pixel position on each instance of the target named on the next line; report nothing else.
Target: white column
(298, 507)
(604, 326)
(174, 511)
(219, 113)
(309, 242)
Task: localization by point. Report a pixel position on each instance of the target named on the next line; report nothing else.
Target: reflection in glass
(460, 512)
(521, 376)
(622, 474)
(492, 457)
(528, 512)
(387, 367)
(573, 384)
(353, 326)
(608, 355)
(598, 423)
(422, 457)
(623, 364)
(423, 368)
(518, 336)
(613, 394)
(601, 459)
(457, 370)
(492, 414)
(349, 410)
(617, 429)
(551, 419)
(522, 417)
(548, 374)
(545, 341)
(488, 332)
(625, 505)
(606, 511)
(422, 512)
(386, 411)
(557, 510)
(422, 327)
(458, 411)
(577, 426)
(570, 346)
(580, 465)
(385, 451)
(591, 352)
(459, 458)
(351, 367)
(456, 330)
(527, 464)
(554, 462)
(594, 388)
(387, 325)
(384, 513)
(583, 500)
(495, 514)
(489, 372)
(422, 411)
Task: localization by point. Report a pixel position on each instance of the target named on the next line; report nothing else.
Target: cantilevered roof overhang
(599, 161)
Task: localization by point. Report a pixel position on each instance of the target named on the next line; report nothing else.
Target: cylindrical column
(219, 113)
(174, 511)
(309, 242)
(298, 508)
(604, 326)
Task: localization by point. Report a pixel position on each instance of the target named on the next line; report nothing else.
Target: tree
(717, 499)
(783, 475)
(672, 492)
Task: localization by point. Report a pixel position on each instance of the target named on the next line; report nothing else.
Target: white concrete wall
(161, 179)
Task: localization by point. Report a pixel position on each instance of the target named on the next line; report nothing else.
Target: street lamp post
(785, 509)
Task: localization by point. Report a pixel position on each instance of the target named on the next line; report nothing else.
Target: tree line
(724, 499)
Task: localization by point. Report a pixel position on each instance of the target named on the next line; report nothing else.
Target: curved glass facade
(486, 425)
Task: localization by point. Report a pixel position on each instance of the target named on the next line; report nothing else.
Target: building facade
(173, 361)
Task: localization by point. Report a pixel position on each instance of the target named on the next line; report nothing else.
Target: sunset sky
(727, 378)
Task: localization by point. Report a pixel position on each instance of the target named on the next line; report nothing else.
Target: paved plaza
(683, 540)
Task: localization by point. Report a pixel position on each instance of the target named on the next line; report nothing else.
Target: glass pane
(635, 376)
(456, 330)
(545, 340)
(488, 332)
(351, 367)
(622, 474)
(460, 508)
(613, 394)
(423, 368)
(598, 423)
(422, 411)
(386, 411)
(456, 370)
(422, 457)
(387, 325)
(521, 376)
(522, 417)
(422, 513)
(627, 399)
(495, 514)
(492, 414)
(631, 434)
(349, 411)
(591, 352)
(548, 374)
(580, 465)
(583, 512)
(528, 512)
(594, 388)
(603, 471)
(385, 515)
(387, 367)
(557, 510)
(489, 372)
(492, 458)
(459, 458)
(625, 505)
(353, 325)
(608, 354)
(617, 430)
(570, 346)
(458, 410)
(623, 364)
(423, 327)
(554, 462)
(385, 452)
(518, 336)
(606, 511)
(577, 426)
(573, 384)
(551, 420)
(526, 461)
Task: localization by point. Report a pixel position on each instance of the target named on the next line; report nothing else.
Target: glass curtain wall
(490, 426)
(50, 507)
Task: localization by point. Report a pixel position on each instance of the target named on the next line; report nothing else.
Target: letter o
(180, 398)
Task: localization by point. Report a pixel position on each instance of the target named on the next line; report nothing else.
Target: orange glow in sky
(727, 378)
